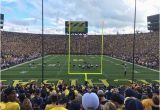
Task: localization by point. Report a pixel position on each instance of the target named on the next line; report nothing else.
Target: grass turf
(56, 67)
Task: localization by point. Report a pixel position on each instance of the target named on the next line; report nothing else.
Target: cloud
(8, 1)
(9, 26)
(24, 21)
(6, 9)
(117, 14)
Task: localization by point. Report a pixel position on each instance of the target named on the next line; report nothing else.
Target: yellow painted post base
(86, 77)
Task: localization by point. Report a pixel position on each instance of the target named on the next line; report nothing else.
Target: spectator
(27, 105)
(133, 104)
(37, 101)
(147, 103)
(90, 101)
(102, 99)
(109, 106)
(12, 100)
(156, 105)
(118, 100)
(54, 102)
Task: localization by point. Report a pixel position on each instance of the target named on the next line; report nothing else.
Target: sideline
(135, 64)
(23, 63)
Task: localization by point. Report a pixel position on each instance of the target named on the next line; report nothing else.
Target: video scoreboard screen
(76, 27)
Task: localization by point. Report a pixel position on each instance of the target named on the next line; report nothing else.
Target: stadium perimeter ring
(69, 56)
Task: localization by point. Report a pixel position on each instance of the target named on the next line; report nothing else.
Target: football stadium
(56, 60)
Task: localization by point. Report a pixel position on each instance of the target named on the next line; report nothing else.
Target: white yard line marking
(58, 73)
(23, 72)
(117, 64)
(136, 71)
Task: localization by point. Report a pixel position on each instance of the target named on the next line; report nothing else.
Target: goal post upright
(102, 44)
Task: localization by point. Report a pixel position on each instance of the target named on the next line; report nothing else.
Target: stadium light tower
(134, 41)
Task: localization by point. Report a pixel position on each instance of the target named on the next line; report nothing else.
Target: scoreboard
(1, 21)
(76, 27)
(153, 22)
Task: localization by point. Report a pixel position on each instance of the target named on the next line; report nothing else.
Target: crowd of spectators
(20, 47)
(34, 96)
(146, 48)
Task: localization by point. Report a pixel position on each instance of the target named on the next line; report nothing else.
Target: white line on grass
(22, 63)
(117, 64)
(57, 73)
(136, 71)
(23, 72)
(135, 64)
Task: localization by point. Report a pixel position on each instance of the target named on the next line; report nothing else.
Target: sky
(117, 15)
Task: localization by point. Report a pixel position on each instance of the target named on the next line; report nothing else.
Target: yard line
(136, 71)
(117, 64)
(58, 73)
(23, 63)
(135, 64)
(51, 59)
(23, 72)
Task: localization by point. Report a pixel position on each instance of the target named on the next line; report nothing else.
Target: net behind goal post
(83, 62)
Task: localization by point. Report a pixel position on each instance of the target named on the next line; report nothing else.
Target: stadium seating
(21, 47)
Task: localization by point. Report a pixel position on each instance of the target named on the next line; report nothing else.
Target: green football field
(56, 68)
